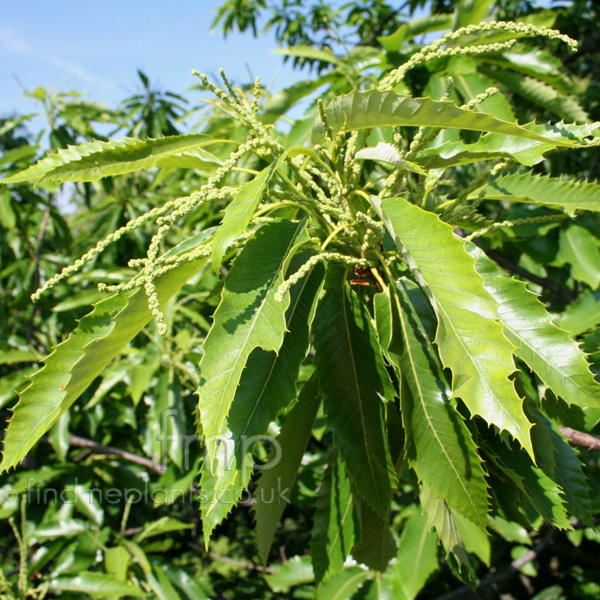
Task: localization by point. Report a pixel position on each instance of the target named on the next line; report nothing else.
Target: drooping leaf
(442, 452)
(303, 51)
(539, 342)
(548, 191)
(75, 363)
(351, 380)
(417, 548)
(267, 385)
(247, 317)
(333, 531)
(440, 517)
(537, 487)
(364, 110)
(560, 462)
(239, 212)
(376, 546)
(470, 340)
(274, 485)
(91, 161)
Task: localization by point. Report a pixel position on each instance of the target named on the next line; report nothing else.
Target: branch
(578, 438)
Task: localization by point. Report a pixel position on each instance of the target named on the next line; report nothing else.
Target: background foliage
(126, 427)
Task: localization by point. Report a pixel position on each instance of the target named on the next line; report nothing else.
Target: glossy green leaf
(351, 380)
(267, 385)
(442, 452)
(470, 12)
(302, 51)
(417, 548)
(239, 212)
(548, 350)
(470, 340)
(540, 189)
(75, 363)
(163, 525)
(333, 530)
(91, 161)
(578, 247)
(364, 110)
(274, 485)
(97, 585)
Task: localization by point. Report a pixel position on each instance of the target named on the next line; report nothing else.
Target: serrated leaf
(304, 51)
(91, 161)
(267, 385)
(440, 517)
(351, 380)
(560, 462)
(548, 350)
(489, 146)
(578, 247)
(239, 212)
(376, 546)
(537, 487)
(544, 190)
(387, 153)
(332, 535)
(247, 317)
(540, 93)
(75, 363)
(364, 110)
(163, 525)
(470, 340)
(442, 452)
(96, 584)
(275, 484)
(418, 548)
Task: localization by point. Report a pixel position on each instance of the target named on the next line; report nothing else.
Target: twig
(507, 573)
(581, 439)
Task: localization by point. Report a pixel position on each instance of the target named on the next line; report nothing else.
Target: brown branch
(581, 439)
(142, 461)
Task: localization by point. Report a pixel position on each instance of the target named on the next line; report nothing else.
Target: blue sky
(97, 46)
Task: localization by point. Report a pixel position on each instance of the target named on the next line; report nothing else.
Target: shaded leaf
(351, 380)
